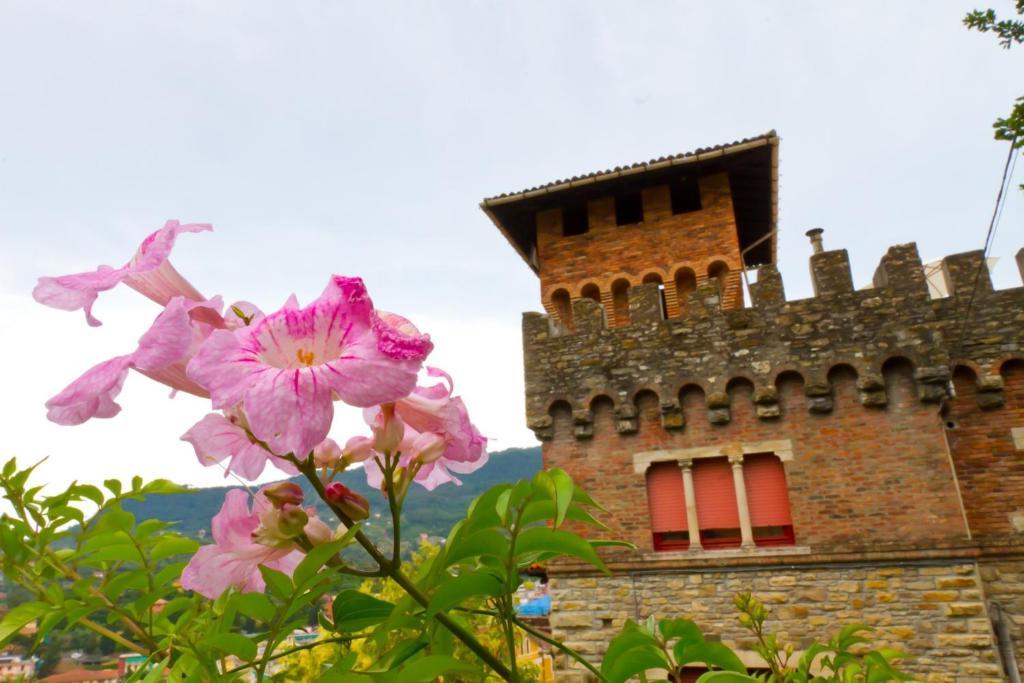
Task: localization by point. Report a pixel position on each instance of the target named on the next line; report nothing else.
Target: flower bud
(283, 493)
(348, 501)
(388, 429)
(358, 449)
(279, 527)
(318, 532)
(327, 453)
(428, 447)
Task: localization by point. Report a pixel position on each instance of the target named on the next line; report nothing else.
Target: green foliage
(1009, 32)
(670, 645)
(83, 563)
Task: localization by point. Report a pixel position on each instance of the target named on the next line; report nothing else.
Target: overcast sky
(358, 138)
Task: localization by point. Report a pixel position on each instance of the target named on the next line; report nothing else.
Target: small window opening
(654, 277)
(591, 291)
(629, 209)
(574, 220)
(685, 196)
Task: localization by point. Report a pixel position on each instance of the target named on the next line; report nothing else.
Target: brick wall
(990, 468)
(860, 478)
(660, 245)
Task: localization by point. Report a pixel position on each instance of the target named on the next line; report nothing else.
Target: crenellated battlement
(709, 347)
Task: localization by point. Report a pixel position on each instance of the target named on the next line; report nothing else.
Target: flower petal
(398, 338)
(92, 394)
(71, 292)
(215, 438)
(224, 367)
(291, 410)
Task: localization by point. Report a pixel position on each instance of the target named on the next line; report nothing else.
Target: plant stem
(297, 648)
(408, 586)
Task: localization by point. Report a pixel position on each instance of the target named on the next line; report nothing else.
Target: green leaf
(9, 467)
(113, 485)
(426, 669)
(315, 559)
(354, 611)
(726, 677)
(278, 583)
(485, 542)
(173, 545)
(233, 644)
(19, 617)
(583, 498)
(88, 491)
(542, 510)
(162, 486)
(458, 588)
(116, 553)
(634, 661)
(684, 629)
(559, 542)
(255, 606)
(708, 652)
(630, 637)
(563, 493)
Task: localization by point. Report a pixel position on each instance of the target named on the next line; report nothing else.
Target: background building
(855, 456)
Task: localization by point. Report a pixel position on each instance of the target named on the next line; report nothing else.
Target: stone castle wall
(936, 611)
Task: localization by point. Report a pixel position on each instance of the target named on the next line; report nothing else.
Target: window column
(692, 526)
(746, 529)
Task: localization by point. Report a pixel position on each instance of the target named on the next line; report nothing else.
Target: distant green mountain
(426, 512)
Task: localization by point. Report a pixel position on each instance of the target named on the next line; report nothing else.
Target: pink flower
(223, 437)
(288, 368)
(162, 354)
(234, 557)
(148, 272)
(433, 410)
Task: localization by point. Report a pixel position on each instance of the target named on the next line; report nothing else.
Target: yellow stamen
(305, 357)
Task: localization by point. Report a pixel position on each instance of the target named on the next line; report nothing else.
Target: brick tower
(853, 457)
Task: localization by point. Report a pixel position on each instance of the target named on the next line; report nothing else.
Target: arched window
(591, 291)
(563, 307)
(719, 272)
(656, 279)
(667, 502)
(686, 282)
(620, 301)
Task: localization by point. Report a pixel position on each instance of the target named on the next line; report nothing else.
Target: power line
(997, 212)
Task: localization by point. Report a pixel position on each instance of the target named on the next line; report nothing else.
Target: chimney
(815, 235)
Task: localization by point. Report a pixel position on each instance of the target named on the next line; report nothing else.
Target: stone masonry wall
(936, 613)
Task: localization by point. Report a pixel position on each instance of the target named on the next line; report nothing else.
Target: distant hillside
(432, 513)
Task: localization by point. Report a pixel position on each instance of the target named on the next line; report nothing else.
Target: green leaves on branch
(668, 645)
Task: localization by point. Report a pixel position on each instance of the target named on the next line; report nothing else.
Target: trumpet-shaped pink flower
(234, 557)
(434, 411)
(288, 368)
(162, 354)
(218, 437)
(148, 272)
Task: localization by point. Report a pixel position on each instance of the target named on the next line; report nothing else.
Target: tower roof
(752, 165)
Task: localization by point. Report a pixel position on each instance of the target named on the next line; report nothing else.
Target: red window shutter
(767, 496)
(716, 494)
(665, 497)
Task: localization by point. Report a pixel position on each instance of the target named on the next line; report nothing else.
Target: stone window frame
(781, 448)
